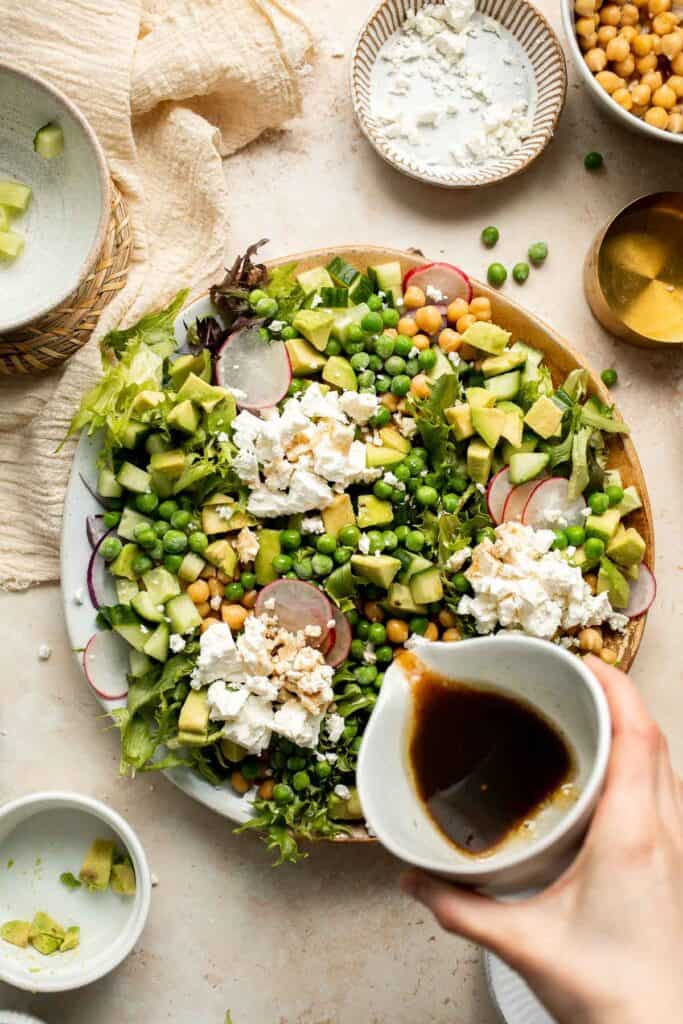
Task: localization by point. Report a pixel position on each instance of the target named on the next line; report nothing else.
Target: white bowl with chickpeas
(630, 55)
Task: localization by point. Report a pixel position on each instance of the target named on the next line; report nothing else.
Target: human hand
(602, 945)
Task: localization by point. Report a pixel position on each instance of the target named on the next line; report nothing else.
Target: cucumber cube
(161, 585)
(525, 466)
(133, 478)
(48, 141)
(157, 645)
(183, 614)
(14, 194)
(11, 245)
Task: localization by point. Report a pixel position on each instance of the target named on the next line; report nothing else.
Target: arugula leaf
(283, 286)
(430, 419)
(592, 417)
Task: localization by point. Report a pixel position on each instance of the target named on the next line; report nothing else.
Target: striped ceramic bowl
(550, 72)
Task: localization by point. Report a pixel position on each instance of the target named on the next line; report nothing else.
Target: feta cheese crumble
(176, 643)
(44, 652)
(246, 545)
(79, 596)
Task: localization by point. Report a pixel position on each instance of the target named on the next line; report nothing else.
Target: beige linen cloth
(170, 87)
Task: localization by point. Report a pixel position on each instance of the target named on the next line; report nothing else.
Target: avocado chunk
(339, 372)
(338, 514)
(400, 600)
(392, 437)
(45, 944)
(533, 360)
(96, 868)
(269, 547)
(144, 401)
(130, 520)
(304, 359)
(505, 386)
(513, 427)
(161, 585)
(603, 527)
(630, 502)
(441, 367)
(190, 567)
(184, 416)
(232, 751)
(460, 419)
(315, 325)
(207, 395)
(489, 424)
(161, 485)
(627, 547)
(220, 514)
(181, 368)
(157, 645)
(510, 360)
(345, 808)
(376, 455)
(183, 614)
(123, 878)
(146, 608)
(123, 564)
(373, 511)
(345, 317)
(611, 580)
(426, 586)
(314, 279)
(377, 569)
(544, 417)
(16, 932)
(223, 555)
(479, 459)
(194, 714)
(340, 583)
(133, 478)
(525, 466)
(487, 337)
(168, 464)
(479, 398)
(71, 940)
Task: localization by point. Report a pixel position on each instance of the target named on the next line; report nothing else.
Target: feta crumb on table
(44, 652)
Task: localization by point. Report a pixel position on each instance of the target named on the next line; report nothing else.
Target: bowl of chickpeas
(630, 54)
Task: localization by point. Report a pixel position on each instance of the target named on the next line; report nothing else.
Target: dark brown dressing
(482, 762)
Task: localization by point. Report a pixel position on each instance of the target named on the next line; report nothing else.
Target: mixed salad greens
(461, 428)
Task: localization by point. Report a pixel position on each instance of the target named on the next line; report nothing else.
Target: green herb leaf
(70, 881)
(284, 287)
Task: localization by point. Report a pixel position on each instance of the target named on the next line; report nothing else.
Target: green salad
(335, 460)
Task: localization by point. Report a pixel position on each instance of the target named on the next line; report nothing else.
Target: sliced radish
(92, 490)
(296, 605)
(496, 495)
(99, 579)
(452, 282)
(552, 495)
(342, 640)
(516, 500)
(95, 529)
(105, 662)
(643, 593)
(259, 371)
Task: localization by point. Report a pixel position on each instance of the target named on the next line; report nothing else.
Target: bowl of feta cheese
(459, 93)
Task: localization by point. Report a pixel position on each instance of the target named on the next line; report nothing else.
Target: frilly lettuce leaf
(283, 286)
(150, 330)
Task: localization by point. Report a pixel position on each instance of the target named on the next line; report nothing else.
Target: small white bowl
(553, 681)
(603, 99)
(42, 836)
(66, 221)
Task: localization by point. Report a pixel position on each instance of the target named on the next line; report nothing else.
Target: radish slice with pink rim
(496, 494)
(643, 593)
(106, 665)
(296, 605)
(516, 500)
(101, 587)
(339, 651)
(552, 496)
(259, 371)
(452, 282)
(95, 529)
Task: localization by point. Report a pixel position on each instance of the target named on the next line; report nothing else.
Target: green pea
(520, 272)
(145, 536)
(290, 540)
(427, 359)
(146, 503)
(414, 464)
(326, 544)
(161, 527)
(322, 565)
(384, 654)
(184, 501)
(384, 347)
(449, 502)
(366, 674)
(415, 540)
(389, 540)
(376, 541)
(363, 629)
(486, 533)
(141, 564)
(166, 509)
(402, 532)
(374, 303)
(609, 377)
(496, 275)
(156, 552)
(192, 526)
(349, 732)
(366, 380)
(395, 365)
(490, 236)
(198, 542)
(537, 253)
(174, 542)
(342, 555)
(353, 616)
(112, 518)
(381, 417)
(256, 295)
(296, 387)
(576, 535)
(380, 676)
(594, 549)
(461, 583)
(398, 496)
(378, 635)
(382, 490)
(402, 472)
(459, 483)
(360, 361)
(301, 781)
(352, 348)
(615, 494)
(250, 768)
(323, 770)
(282, 564)
(372, 323)
(349, 536)
(248, 580)
(418, 625)
(390, 317)
(382, 383)
(412, 368)
(375, 364)
(593, 161)
(561, 541)
(426, 496)
(110, 548)
(400, 385)
(266, 307)
(403, 346)
(288, 333)
(180, 519)
(234, 591)
(333, 347)
(282, 793)
(357, 649)
(598, 503)
(173, 563)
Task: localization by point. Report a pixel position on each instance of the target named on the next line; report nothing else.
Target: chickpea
(198, 591)
(447, 619)
(677, 64)
(586, 26)
(675, 123)
(220, 575)
(617, 49)
(641, 45)
(672, 44)
(203, 609)
(208, 621)
(431, 632)
(664, 97)
(234, 615)
(390, 402)
(609, 81)
(641, 94)
(605, 33)
(657, 117)
(609, 657)
(646, 65)
(456, 309)
(390, 332)
(676, 83)
(596, 60)
(464, 322)
(373, 611)
(590, 640)
(656, 7)
(420, 386)
(239, 783)
(216, 588)
(249, 599)
(265, 790)
(428, 319)
(481, 307)
(656, 44)
(625, 68)
(630, 15)
(414, 297)
(664, 23)
(449, 340)
(610, 14)
(588, 42)
(450, 635)
(623, 98)
(407, 327)
(653, 79)
(584, 8)
(629, 34)
(421, 342)
(208, 572)
(397, 631)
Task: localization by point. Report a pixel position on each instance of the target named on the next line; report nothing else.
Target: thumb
(501, 927)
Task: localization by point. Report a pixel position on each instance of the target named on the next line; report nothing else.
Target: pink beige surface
(333, 940)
